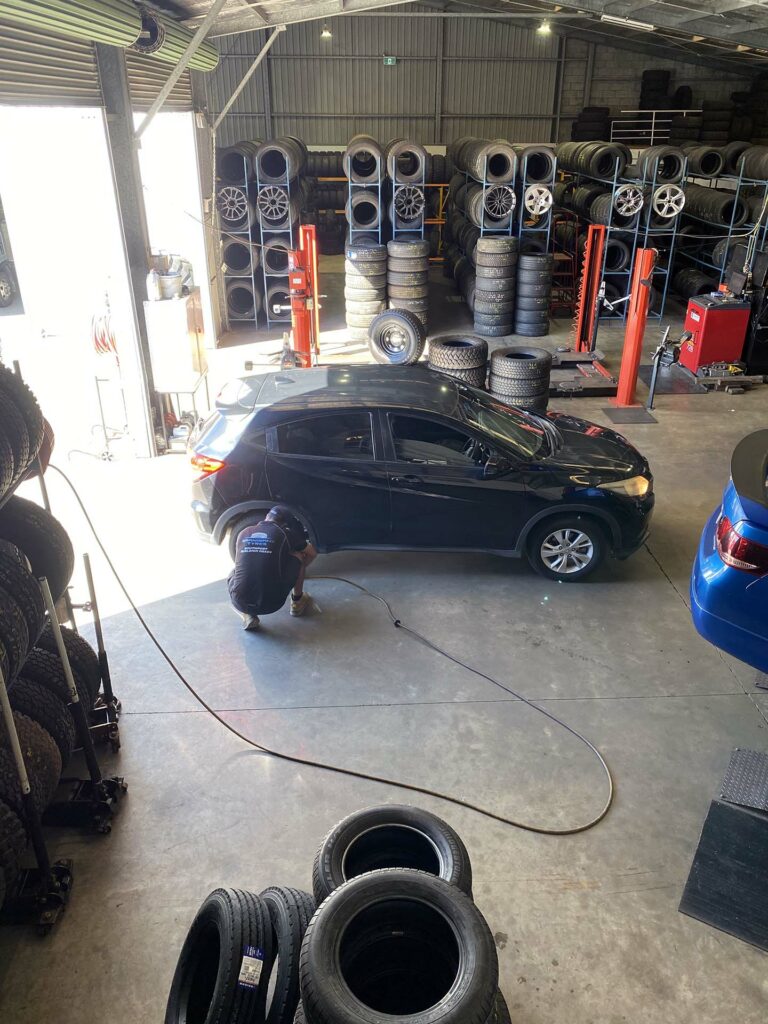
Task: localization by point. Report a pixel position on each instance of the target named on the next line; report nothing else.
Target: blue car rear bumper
(721, 603)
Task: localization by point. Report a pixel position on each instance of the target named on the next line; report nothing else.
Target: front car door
(324, 465)
(441, 495)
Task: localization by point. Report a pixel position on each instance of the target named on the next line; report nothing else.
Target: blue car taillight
(738, 552)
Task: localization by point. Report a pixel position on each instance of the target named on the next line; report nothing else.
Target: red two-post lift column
(637, 317)
(303, 285)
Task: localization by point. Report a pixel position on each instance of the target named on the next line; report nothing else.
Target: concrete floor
(587, 926)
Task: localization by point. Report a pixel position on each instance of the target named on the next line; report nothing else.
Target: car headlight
(632, 487)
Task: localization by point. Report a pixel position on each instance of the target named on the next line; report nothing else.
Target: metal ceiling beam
(249, 73)
(293, 14)
(194, 44)
(662, 17)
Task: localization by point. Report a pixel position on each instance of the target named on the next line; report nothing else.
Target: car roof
(360, 386)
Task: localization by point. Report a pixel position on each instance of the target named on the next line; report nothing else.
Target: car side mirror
(497, 465)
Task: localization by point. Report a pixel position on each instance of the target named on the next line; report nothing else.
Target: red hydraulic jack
(303, 285)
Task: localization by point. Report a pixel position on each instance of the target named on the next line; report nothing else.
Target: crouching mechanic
(270, 563)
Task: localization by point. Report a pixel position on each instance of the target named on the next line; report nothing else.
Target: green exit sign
(389, 62)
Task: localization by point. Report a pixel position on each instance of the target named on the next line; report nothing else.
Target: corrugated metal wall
(452, 77)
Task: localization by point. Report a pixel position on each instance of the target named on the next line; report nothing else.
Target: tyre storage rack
(367, 186)
(265, 234)
(40, 894)
(543, 225)
(510, 229)
(737, 184)
(417, 231)
(642, 235)
(247, 235)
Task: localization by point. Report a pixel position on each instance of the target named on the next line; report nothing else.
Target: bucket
(170, 286)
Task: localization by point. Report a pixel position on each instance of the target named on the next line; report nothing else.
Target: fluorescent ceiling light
(326, 33)
(697, 39)
(642, 26)
(544, 29)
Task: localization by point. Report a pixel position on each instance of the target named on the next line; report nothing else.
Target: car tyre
(587, 546)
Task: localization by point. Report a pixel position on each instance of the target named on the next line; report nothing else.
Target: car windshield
(527, 435)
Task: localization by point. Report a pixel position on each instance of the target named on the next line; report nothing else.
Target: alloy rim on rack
(567, 551)
(628, 200)
(538, 200)
(499, 201)
(409, 202)
(273, 202)
(232, 203)
(668, 200)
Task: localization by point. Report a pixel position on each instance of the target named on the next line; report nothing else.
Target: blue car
(729, 583)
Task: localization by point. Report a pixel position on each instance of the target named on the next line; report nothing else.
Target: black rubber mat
(746, 779)
(726, 886)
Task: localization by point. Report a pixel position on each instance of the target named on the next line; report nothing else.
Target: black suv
(405, 457)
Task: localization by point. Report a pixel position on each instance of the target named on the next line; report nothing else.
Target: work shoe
(251, 623)
(299, 606)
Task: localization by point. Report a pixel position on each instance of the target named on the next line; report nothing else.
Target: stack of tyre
(32, 544)
(495, 285)
(534, 287)
(592, 123)
(756, 109)
(520, 377)
(325, 163)
(716, 117)
(654, 89)
(461, 356)
(365, 285)
(684, 128)
(408, 276)
(389, 932)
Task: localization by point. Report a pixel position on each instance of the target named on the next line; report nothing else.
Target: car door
(324, 465)
(442, 495)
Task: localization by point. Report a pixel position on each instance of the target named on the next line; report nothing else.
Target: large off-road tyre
(24, 400)
(41, 705)
(14, 636)
(82, 657)
(519, 362)
(475, 376)
(390, 836)
(290, 911)
(18, 581)
(402, 943)
(15, 430)
(566, 548)
(12, 843)
(397, 336)
(223, 969)
(41, 756)
(457, 351)
(45, 667)
(43, 540)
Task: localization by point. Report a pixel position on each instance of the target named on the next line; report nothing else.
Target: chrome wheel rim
(499, 201)
(232, 203)
(668, 200)
(628, 200)
(273, 202)
(409, 202)
(538, 199)
(567, 551)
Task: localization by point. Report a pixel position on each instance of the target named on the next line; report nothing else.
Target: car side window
(432, 443)
(341, 436)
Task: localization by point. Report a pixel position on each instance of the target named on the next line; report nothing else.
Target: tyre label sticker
(250, 968)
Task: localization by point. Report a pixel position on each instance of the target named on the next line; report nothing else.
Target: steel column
(247, 76)
(124, 158)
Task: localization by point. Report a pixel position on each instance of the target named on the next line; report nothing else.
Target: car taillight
(206, 465)
(737, 551)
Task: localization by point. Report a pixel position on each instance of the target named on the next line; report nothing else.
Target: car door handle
(407, 481)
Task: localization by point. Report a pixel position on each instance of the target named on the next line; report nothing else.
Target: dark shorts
(271, 593)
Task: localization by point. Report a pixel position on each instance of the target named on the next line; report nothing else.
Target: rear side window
(343, 436)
